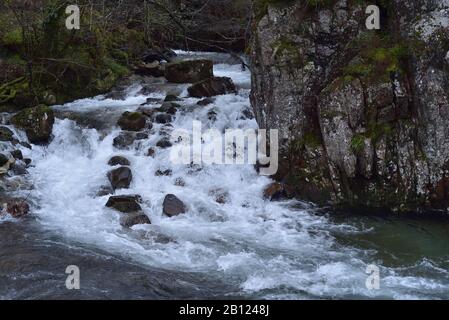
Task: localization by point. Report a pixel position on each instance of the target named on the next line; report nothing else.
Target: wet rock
(153, 69)
(247, 114)
(134, 218)
(132, 121)
(172, 98)
(164, 143)
(126, 139)
(149, 100)
(160, 173)
(169, 108)
(125, 204)
(172, 206)
(37, 123)
(120, 178)
(27, 161)
(151, 152)
(205, 102)
(104, 191)
(119, 160)
(163, 118)
(212, 87)
(149, 112)
(6, 134)
(189, 71)
(18, 169)
(274, 191)
(17, 154)
(3, 159)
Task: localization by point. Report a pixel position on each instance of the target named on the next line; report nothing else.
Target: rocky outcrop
(37, 123)
(363, 115)
(212, 87)
(189, 71)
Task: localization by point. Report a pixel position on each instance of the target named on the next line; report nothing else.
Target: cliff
(363, 114)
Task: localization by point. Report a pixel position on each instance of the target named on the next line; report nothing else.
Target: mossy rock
(6, 134)
(132, 121)
(37, 123)
(189, 71)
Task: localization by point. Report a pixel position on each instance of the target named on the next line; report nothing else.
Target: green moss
(358, 143)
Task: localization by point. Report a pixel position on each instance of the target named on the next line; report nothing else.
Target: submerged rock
(37, 123)
(134, 218)
(189, 71)
(119, 160)
(212, 87)
(120, 178)
(151, 152)
(132, 121)
(172, 206)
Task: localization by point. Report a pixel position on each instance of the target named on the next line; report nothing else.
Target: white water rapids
(262, 249)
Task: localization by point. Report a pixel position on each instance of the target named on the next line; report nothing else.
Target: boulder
(126, 139)
(212, 87)
(3, 159)
(125, 204)
(6, 134)
(37, 123)
(172, 98)
(189, 71)
(220, 196)
(163, 118)
(129, 205)
(164, 143)
(132, 121)
(172, 206)
(120, 178)
(169, 107)
(119, 160)
(17, 154)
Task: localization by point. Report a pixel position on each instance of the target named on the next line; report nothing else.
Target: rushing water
(247, 247)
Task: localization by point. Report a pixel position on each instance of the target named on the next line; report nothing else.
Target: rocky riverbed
(90, 183)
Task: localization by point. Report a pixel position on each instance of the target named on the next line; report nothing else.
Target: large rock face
(363, 114)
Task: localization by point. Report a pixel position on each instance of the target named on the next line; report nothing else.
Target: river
(245, 248)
